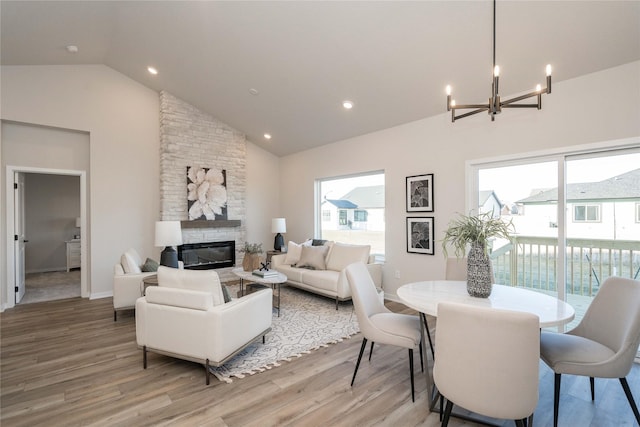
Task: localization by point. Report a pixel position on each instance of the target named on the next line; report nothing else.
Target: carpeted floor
(307, 322)
(51, 286)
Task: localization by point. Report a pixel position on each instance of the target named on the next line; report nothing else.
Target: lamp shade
(168, 233)
(278, 225)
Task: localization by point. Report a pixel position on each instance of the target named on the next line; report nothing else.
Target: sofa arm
(278, 260)
(237, 322)
(127, 288)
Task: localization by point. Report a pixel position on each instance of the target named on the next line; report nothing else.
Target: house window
(360, 216)
(586, 213)
(637, 212)
(351, 209)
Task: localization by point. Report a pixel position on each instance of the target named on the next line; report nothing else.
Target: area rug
(307, 322)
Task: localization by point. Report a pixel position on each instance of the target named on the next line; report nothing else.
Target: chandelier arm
(469, 106)
(521, 97)
(470, 113)
(520, 106)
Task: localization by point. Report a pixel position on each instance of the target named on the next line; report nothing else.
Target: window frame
(586, 207)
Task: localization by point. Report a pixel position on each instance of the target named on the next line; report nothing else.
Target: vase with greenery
(251, 260)
(475, 231)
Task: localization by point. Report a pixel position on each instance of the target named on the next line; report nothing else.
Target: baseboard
(46, 270)
(99, 295)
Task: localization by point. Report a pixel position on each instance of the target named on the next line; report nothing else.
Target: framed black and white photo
(420, 235)
(420, 193)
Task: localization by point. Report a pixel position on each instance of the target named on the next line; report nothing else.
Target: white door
(19, 234)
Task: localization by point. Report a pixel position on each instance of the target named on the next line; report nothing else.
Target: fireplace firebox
(208, 255)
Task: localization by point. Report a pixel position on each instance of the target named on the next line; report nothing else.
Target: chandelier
(495, 105)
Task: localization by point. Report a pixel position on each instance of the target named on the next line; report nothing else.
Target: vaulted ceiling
(303, 58)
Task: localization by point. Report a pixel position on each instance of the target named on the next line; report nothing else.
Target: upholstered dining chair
(603, 344)
(378, 323)
(456, 270)
(487, 361)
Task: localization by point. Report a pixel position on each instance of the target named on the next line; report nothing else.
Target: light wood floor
(66, 363)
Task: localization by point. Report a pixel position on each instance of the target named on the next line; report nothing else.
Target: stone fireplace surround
(189, 137)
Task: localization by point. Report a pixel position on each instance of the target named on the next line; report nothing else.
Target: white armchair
(127, 282)
(185, 316)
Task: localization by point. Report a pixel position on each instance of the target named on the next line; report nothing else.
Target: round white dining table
(425, 297)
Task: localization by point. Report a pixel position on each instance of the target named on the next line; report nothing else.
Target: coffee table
(275, 282)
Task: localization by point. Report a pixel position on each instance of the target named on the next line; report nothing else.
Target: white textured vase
(479, 272)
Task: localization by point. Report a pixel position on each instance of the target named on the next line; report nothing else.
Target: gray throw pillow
(225, 293)
(149, 265)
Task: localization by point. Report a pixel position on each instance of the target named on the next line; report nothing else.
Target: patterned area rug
(307, 322)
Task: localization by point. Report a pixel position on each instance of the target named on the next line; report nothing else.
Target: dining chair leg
(593, 388)
(520, 423)
(421, 357)
(364, 344)
(426, 326)
(371, 350)
(411, 372)
(627, 392)
(556, 398)
(447, 413)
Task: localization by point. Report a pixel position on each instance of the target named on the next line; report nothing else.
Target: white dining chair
(378, 323)
(604, 343)
(487, 361)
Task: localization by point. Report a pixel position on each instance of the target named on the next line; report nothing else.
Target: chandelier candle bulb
(448, 90)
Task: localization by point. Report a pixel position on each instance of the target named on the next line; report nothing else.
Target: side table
(275, 283)
(151, 280)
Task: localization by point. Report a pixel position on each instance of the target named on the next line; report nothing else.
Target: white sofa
(185, 316)
(328, 278)
(127, 281)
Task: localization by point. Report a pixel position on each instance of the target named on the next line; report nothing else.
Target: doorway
(18, 220)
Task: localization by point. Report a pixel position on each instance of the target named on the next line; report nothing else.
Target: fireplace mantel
(203, 223)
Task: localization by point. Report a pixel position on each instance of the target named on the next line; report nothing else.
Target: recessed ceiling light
(267, 136)
(72, 49)
(347, 104)
(152, 70)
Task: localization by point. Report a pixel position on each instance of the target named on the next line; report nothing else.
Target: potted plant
(476, 231)
(252, 253)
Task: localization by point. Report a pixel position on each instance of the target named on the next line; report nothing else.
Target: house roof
(284, 67)
(620, 187)
(369, 197)
(484, 195)
(342, 204)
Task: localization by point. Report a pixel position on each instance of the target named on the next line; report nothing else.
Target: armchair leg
(115, 315)
(593, 388)
(371, 350)
(520, 423)
(207, 373)
(556, 398)
(336, 303)
(627, 392)
(362, 347)
(411, 372)
(144, 357)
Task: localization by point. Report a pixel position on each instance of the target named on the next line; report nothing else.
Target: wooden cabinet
(73, 254)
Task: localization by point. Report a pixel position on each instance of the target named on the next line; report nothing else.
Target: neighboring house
(608, 209)
(360, 209)
(488, 202)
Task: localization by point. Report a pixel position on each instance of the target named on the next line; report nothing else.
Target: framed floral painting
(206, 193)
(420, 235)
(420, 193)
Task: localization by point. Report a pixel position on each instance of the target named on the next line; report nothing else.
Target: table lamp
(278, 225)
(168, 234)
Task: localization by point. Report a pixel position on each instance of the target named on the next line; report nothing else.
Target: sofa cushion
(195, 280)
(341, 255)
(294, 250)
(131, 262)
(313, 257)
(184, 298)
(293, 274)
(321, 279)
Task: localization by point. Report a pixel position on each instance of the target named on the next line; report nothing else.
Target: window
(360, 216)
(351, 209)
(637, 212)
(586, 213)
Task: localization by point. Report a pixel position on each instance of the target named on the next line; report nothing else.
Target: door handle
(25, 241)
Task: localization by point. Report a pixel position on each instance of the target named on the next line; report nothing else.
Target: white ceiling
(391, 58)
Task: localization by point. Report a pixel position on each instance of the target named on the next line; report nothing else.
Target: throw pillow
(318, 242)
(129, 264)
(342, 255)
(293, 252)
(150, 265)
(312, 257)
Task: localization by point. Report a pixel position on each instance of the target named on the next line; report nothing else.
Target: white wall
(599, 107)
(122, 119)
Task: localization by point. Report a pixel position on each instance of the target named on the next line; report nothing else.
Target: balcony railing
(531, 262)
